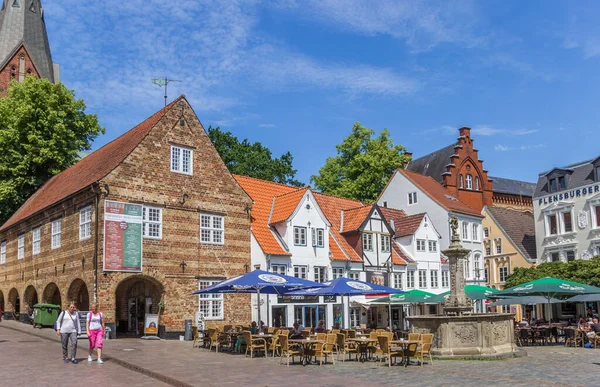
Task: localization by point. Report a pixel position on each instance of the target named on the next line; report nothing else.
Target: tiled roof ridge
(342, 198)
(268, 181)
(291, 192)
(436, 151)
(16, 218)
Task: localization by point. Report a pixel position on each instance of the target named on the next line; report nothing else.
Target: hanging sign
(151, 324)
(122, 236)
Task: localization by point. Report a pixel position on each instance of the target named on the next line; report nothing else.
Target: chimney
(465, 131)
(407, 160)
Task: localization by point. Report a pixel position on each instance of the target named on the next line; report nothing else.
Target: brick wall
(11, 68)
(144, 177)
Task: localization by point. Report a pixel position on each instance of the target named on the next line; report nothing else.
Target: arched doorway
(78, 292)
(30, 297)
(14, 303)
(135, 297)
(2, 301)
(51, 294)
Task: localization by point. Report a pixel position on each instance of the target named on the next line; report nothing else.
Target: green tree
(362, 166)
(252, 159)
(583, 271)
(42, 129)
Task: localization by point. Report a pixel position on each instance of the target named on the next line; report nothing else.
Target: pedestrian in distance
(95, 330)
(68, 328)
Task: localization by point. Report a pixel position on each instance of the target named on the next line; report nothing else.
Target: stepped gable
(88, 170)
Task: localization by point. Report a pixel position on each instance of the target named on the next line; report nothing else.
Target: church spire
(22, 26)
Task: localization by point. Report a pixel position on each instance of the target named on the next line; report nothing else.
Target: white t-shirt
(95, 321)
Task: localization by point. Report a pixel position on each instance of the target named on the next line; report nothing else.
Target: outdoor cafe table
(405, 344)
(363, 346)
(307, 348)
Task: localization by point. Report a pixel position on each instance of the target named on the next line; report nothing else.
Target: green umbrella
(414, 296)
(474, 292)
(548, 288)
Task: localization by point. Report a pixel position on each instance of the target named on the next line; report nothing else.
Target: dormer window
(557, 184)
(597, 173)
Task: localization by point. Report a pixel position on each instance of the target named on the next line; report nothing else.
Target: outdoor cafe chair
(305, 334)
(345, 348)
(573, 336)
(414, 337)
(286, 351)
(427, 338)
(424, 351)
(196, 337)
(213, 335)
(524, 337)
(351, 334)
(274, 345)
(254, 344)
(324, 350)
(386, 350)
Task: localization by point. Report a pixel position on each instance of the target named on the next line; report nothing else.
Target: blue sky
(296, 75)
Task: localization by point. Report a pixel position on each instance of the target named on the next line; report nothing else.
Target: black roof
(576, 175)
(433, 164)
(512, 187)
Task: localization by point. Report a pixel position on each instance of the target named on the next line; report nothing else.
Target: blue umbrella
(259, 281)
(346, 287)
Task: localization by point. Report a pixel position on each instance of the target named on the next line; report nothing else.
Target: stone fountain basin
(477, 335)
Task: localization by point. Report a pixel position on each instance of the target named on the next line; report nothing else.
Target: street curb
(125, 364)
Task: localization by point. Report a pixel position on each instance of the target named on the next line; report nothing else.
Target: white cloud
(486, 130)
(421, 24)
(504, 148)
(507, 61)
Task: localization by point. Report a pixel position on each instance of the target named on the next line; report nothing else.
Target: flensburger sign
(571, 194)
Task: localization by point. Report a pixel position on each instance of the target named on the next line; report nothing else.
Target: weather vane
(163, 82)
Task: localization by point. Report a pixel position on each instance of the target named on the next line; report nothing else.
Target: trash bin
(189, 335)
(107, 331)
(45, 315)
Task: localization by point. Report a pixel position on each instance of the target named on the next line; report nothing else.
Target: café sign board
(122, 236)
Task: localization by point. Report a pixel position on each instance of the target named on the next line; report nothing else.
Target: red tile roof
(87, 171)
(399, 257)
(262, 193)
(408, 225)
(355, 217)
(284, 205)
(332, 207)
(438, 193)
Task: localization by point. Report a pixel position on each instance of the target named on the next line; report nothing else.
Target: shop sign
(122, 236)
(377, 277)
(329, 299)
(296, 299)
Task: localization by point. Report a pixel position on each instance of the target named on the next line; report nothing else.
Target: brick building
(24, 47)
(196, 229)
(458, 168)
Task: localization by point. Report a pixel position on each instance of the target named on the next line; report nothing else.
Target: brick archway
(78, 293)
(134, 297)
(14, 302)
(51, 295)
(30, 296)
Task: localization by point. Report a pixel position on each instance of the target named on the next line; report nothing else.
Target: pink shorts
(96, 338)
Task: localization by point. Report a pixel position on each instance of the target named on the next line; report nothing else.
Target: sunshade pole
(258, 306)
(390, 312)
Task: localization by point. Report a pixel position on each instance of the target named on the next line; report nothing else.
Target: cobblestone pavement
(180, 364)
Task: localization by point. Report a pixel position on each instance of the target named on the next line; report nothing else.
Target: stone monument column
(457, 302)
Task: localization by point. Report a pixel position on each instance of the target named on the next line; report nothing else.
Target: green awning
(549, 287)
(414, 296)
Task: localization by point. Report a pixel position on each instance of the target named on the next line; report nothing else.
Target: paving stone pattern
(544, 366)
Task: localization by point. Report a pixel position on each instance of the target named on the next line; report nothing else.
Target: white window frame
(564, 224)
(434, 279)
(475, 231)
(412, 198)
(445, 278)
(337, 272)
(56, 232)
(320, 237)
(279, 269)
(460, 181)
(410, 279)
(422, 279)
(177, 161)
(502, 269)
(301, 271)
(21, 246)
(488, 250)
(367, 241)
(36, 240)
(2, 252)
(486, 275)
(464, 231)
(85, 223)
(299, 236)
(432, 246)
(386, 246)
(567, 255)
(354, 275)
(320, 274)
(210, 300)
(476, 183)
(397, 278)
(147, 223)
(486, 232)
(420, 245)
(498, 245)
(594, 214)
(469, 181)
(215, 234)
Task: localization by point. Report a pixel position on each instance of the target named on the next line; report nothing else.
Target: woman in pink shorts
(95, 331)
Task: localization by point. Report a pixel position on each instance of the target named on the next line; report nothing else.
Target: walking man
(67, 327)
